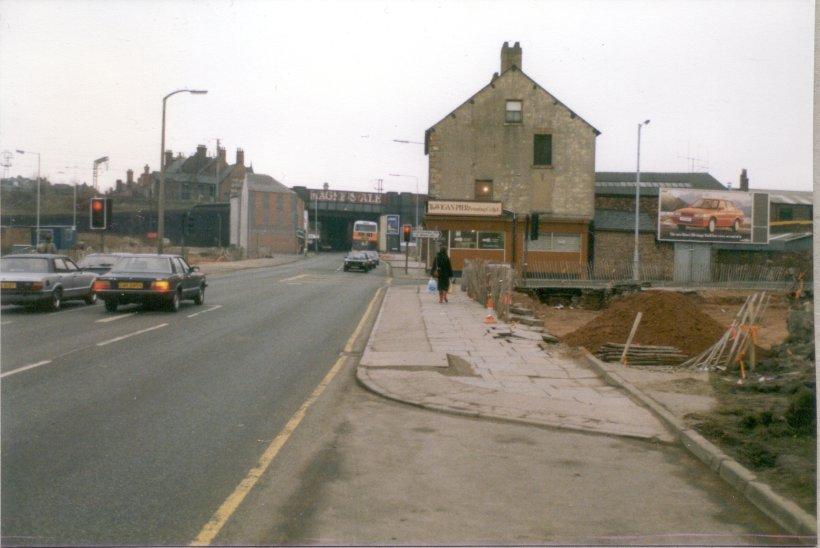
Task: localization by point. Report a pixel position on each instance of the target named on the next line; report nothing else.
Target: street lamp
(636, 261)
(417, 192)
(161, 201)
(37, 235)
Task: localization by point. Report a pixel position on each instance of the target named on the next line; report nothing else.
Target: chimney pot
(510, 56)
(240, 157)
(744, 181)
(169, 157)
(129, 176)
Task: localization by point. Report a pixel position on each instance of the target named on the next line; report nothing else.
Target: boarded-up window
(542, 150)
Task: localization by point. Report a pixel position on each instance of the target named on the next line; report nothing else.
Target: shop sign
(345, 196)
(476, 209)
(695, 215)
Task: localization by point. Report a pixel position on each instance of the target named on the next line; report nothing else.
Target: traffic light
(534, 226)
(98, 214)
(406, 231)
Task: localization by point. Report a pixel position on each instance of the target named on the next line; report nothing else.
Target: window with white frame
(558, 242)
(515, 111)
(463, 239)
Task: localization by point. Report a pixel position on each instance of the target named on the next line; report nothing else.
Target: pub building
(510, 152)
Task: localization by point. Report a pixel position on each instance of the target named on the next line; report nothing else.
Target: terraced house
(509, 153)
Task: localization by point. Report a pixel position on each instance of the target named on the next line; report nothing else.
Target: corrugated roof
(623, 182)
(794, 197)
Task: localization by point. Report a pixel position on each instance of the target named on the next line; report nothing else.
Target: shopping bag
(432, 285)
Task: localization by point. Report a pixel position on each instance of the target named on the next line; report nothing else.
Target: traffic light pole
(406, 255)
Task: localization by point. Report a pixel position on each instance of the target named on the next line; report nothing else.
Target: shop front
(483, 230)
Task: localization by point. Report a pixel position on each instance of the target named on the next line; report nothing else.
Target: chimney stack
(510, 56)
(169, 157)
(129, 176)
(220, 155)
(240, 157)
(201, 151)
(744, 181)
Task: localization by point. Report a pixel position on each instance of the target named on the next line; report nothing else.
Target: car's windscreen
(706, 204)
(98, 260)
(23, 264)
(142, 264)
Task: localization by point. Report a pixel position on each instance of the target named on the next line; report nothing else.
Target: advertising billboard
(696, 215)
(392, 224)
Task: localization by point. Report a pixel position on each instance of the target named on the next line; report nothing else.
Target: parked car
(44, 279)
(100, 262)
(357, 260)
(709, 214)
(373, 256)
(151, 279)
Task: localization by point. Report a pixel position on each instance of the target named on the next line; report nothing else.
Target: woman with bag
(442, 271)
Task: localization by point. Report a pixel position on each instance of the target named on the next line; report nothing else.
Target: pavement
(444, 357)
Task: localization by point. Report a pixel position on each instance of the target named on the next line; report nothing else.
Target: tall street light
(37, 235)
(636, 261)
(161, 201)
(417, 193)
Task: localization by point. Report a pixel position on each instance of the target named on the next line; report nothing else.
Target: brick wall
(273, 220)
(614, 247)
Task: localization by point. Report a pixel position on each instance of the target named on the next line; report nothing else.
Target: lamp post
(37, 235)
(161, 199)
(636, 261)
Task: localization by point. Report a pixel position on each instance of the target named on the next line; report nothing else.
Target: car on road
(357, 260)
(709, 214)
(151, 280)
(44, 279)
(373, 256)
(100, 262)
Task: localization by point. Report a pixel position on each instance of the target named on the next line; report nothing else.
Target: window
(463, 239)
(484, 190)
(491, 240)
(70, 265)
(514, 113)
(542, 150)
(59, 266)
(559, 242)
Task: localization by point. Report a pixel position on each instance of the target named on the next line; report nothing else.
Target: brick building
(266, 217)
(509, 151)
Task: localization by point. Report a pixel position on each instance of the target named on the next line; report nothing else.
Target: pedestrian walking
(442, 271)
(46, 245)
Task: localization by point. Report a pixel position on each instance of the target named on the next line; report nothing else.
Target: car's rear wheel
(199, 298)
(173, 303)
(111, 306)
(91, 299)
(712, 225)
(56, 300)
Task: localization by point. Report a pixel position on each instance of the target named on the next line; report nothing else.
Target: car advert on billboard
(693, 215)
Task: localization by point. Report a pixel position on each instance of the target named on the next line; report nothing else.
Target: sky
(317, 92)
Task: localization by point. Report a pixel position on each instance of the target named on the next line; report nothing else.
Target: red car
(709, 213)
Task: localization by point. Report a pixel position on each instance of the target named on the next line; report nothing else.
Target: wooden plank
(631, 336)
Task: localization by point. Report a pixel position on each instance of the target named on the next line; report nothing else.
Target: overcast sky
(317, 91)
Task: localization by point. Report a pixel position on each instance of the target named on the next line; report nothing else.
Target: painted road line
(227, 509)
(114, 318)
(24, 368)
(213, 307)
(294, 278)
(140, 332)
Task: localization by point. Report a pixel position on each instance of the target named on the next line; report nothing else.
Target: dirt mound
(668, 319)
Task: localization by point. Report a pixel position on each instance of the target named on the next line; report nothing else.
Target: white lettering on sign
(345, 196)
(481, 209)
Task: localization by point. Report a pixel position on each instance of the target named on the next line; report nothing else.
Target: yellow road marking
(227, 509)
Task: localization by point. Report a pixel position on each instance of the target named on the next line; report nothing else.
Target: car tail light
(37, 286)
(100, 285)
(160, 285)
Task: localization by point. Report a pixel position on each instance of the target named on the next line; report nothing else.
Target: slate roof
(623, 182)
(610, 219)
(266, 183)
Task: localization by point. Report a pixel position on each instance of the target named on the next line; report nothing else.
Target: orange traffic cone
(490, 318)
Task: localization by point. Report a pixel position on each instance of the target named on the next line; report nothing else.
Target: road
(134, 427)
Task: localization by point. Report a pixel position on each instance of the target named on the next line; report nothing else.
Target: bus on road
(365, 236)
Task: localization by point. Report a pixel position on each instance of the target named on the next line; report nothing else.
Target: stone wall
(615, 247)
(474, 143)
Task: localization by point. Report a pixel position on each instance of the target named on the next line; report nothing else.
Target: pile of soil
(668, 319)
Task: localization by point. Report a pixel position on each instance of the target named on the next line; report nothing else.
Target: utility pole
(37, 235)
(6, 162)
(636, 260)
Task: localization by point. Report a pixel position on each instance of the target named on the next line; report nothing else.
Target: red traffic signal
(98, 214)
(406, 231)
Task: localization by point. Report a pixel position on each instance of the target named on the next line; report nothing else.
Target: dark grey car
(44, 279)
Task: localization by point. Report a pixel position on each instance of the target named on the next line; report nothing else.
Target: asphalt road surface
(134, 427)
